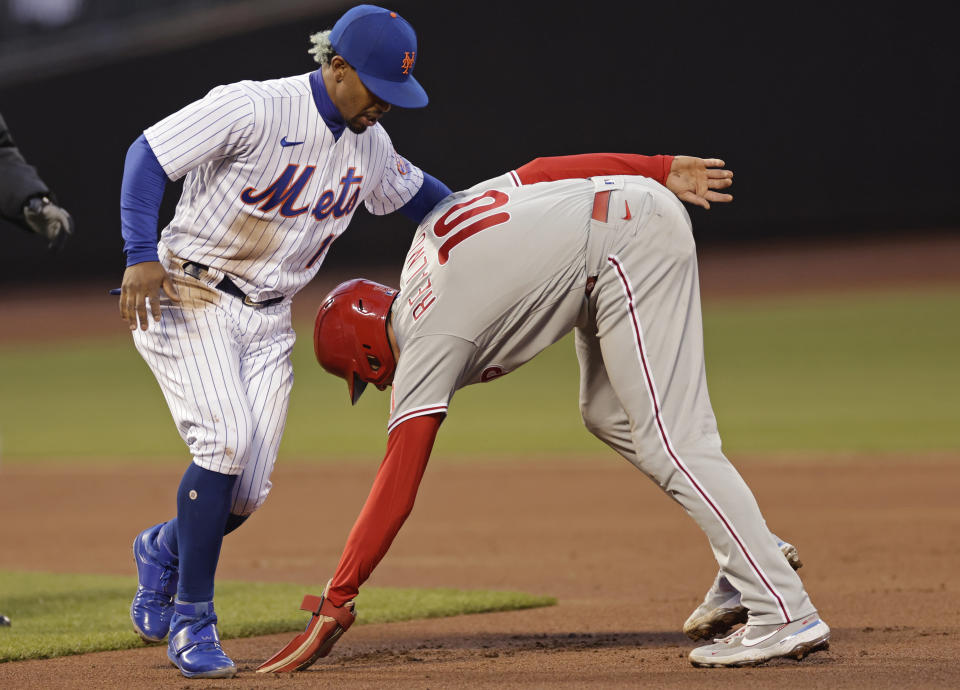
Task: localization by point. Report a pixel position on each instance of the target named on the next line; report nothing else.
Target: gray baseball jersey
(495, 274)
(500, 271)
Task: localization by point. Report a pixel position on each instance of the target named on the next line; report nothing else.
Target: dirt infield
(878, 538)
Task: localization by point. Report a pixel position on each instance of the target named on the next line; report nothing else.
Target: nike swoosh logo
(753, 642)
(628, 216)
(284, 142)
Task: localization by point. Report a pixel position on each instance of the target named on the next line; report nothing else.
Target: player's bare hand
(697, 180)
(140, 282)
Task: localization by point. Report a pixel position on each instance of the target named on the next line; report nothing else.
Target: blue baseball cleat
(157, 574)
(194, 645)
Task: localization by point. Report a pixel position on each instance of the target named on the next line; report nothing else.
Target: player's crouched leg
(203, 509)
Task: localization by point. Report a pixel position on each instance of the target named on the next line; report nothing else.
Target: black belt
(193, 269)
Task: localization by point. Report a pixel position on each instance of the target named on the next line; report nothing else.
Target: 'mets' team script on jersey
(268, 187)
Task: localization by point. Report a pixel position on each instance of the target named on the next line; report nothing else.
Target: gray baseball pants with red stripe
(643, 391)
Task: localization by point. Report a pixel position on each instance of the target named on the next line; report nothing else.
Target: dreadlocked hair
(322, 49)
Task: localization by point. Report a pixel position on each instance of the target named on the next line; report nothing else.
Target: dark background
(838, 122)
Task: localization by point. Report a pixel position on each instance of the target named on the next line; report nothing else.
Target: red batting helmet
(350, 335)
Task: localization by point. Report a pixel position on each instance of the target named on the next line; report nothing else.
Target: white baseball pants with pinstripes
(643, 391)
(225, 372)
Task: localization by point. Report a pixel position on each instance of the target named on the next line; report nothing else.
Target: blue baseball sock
(203, 504)
(168, 533)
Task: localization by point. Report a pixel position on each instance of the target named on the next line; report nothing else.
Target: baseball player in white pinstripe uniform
(273, 173)
(611, 257)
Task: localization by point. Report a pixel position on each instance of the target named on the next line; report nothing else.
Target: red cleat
(326, 626)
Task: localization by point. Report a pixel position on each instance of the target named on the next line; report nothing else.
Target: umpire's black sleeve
(18, 179)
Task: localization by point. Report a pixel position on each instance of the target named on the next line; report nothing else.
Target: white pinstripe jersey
(267, 186)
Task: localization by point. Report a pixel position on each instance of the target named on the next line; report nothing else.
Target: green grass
(55, 615)
(850, 372)
(859, 372)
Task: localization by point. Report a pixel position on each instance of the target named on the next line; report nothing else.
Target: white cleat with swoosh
(755, 644)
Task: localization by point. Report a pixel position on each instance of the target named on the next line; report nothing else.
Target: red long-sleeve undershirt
(409, 445)
(388, 505)
(590, 164)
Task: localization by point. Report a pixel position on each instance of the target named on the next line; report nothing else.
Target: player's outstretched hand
(140, 282)
(696, 180)
(326, 626)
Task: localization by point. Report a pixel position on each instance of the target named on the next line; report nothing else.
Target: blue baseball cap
(382, 46)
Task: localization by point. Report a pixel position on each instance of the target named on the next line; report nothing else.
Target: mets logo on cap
(382, 47)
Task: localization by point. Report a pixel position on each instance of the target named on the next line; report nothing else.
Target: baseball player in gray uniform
(611, 257)
(274, 171)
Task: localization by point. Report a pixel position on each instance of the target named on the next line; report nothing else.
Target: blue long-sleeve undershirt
(431, 192)
(140, 195)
